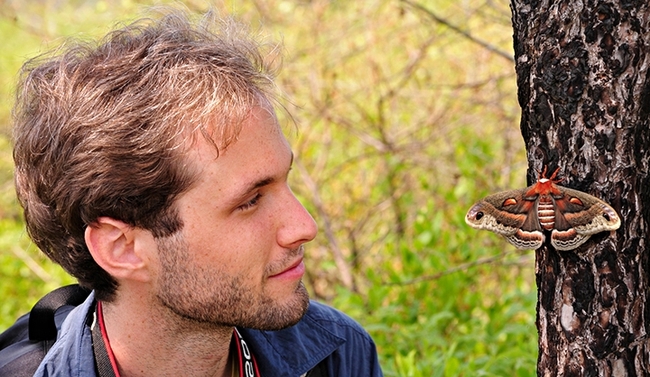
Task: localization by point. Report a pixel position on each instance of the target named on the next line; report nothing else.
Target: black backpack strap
(24, 345)
(320, 370)
(41, 319)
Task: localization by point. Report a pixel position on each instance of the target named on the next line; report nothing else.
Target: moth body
(546, 212)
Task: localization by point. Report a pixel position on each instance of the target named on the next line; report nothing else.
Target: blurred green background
(406, 115)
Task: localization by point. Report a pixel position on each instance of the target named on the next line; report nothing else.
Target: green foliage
(402, 123)
(447, 304)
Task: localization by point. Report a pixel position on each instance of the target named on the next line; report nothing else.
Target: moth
(525, 217)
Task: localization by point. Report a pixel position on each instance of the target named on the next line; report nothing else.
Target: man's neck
(149, 340)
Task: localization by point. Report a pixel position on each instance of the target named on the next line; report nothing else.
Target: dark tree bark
(584, 89)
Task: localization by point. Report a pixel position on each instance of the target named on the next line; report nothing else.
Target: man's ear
(112, 243)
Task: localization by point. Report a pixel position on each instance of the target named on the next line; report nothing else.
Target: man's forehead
(221, 131)
(261, 123)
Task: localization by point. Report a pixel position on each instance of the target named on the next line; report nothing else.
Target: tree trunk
(584, 89)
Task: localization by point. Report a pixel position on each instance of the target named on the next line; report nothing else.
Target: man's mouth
(295, 271)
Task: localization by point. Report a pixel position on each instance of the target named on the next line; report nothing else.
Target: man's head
(238, 259)
(103, 131)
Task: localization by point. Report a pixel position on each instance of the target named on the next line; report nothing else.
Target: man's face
(238, 259)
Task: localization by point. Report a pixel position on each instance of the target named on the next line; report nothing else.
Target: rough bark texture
(584, 89)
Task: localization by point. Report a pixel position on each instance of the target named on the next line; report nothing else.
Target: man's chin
(287, 314)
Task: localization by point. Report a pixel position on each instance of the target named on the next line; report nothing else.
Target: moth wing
(579, 215)
(508, 214)
(567, 239)
(585, 213)
(527, 240)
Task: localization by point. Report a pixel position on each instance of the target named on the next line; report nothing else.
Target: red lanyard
(104, 358)
(107, 365)
(247, 364)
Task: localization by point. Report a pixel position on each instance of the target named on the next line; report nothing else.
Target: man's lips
(294, 271)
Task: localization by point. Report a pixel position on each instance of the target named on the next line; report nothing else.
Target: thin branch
(343, 267)
(458, 30)
(32, 264)
(460, 267)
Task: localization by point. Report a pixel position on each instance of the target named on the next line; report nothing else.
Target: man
(153, 169)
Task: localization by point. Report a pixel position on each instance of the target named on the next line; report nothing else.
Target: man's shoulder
(323, 334)
(72, 352)
(334, 320)
(321, 324)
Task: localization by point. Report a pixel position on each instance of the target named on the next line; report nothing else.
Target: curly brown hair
(100, 129)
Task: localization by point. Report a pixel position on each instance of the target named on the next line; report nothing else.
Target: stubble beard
(211, 297)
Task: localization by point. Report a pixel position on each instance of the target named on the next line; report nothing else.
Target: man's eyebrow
(259, 183)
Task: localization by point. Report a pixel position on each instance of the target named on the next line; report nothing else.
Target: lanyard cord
(244, 357)
(104, 360)
(107, 366)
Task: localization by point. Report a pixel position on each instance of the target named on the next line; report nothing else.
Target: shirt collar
(295, 350)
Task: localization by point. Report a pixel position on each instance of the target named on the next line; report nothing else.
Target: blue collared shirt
(322, 334)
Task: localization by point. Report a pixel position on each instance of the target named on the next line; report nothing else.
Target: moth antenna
(554, 175)
(542, 174)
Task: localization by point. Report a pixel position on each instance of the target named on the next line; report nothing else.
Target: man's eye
(251, 203)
